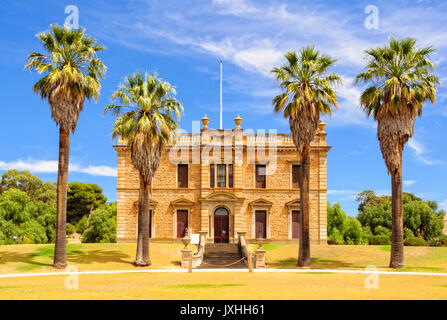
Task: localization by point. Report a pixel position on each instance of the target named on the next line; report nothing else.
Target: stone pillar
(260, 258)
(186, 257)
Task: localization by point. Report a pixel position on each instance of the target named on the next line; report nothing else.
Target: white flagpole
(221, 94)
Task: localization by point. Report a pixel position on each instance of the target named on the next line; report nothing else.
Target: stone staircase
(219, 255)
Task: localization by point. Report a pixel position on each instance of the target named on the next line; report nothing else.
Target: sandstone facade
(243, 200)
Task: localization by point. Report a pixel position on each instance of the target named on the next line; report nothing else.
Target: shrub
(408, 233)
(8, 230)
(353, 232)
(33, 230)
(81, 225)
(102, 226)
(414, 241)
(70, 229)
(379, 240)
(335, 237)
(382, 231)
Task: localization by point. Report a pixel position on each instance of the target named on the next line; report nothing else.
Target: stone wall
(278, 193)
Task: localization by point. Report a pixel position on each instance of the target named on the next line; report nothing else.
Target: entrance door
(182, 223)
(261, 219)
(221, 226)
(295, 224)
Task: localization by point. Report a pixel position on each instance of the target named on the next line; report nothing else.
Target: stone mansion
(224, 182)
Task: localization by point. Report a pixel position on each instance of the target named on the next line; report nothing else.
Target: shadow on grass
(176, 263)
(316, 263)
(43, 257)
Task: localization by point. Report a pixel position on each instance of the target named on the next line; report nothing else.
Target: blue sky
(183, 41)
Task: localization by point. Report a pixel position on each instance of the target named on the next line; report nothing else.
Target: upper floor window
(220, 176)
(260, 172)
(295, 176)
(182, 175)
(212, 173)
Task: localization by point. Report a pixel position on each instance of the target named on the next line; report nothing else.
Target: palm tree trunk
(60, 249)
(304, 249)
(142, 259)
(397, 241)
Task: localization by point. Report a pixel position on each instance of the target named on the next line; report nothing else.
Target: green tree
(72, 72)
(15, 205)
(400, 82)
(308, 91)
(352, 231)
(34, 231)
(22, 180)
(102, 225)
(82, 199)
(148, 126)
(335, 218)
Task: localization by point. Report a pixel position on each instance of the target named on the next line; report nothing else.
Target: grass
(306, 285)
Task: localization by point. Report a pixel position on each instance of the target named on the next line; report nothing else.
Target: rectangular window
(182, 175)
(295, 224)
(230, 176)
(295, 176)
(221, 176)
(182, 223)
(260, 175)
(261, 224)
(212, 176)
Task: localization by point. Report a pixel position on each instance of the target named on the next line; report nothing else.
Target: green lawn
(306, 285)
(119, 256)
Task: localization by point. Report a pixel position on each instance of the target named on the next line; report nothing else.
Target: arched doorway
(221, 225)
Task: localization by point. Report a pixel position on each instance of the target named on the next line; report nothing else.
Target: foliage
(72, 72)
(8, 230)
(353, 232)
(102, 225)
(335, 237)
(15, 205)
(419, 216)
(70, 229)
(335, 218)
(34, 231)
(81, 225)
(414, 241)
(22, 180)
(379, 240)
(82, 199)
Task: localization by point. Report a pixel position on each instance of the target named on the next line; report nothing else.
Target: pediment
(182, 202)
(261, 203)
(294, 203)
(221, 196)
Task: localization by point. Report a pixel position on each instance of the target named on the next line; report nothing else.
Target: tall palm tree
(72, 72)
(145, 111)
(307, 91)
(400, 82)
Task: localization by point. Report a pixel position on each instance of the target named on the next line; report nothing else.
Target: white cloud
(443, 204)
(44, 166)
(408, 183)
(420, 152)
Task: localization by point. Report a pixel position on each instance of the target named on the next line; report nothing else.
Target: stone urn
(205, 122)
(260, 242)
(238, 121)
(186, 240)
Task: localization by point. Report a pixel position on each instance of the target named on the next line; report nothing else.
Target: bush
(81, 225)
(382, 231)
(379, 240)
(335, 237)
(408, 233)
(102, 226)
(33, 230)
(353, 232)
(414, 241)
(8, 230)
(70, 229)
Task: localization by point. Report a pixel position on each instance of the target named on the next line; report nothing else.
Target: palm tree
(307, 92)
(400, 82)
(72, 72)
(148, 126)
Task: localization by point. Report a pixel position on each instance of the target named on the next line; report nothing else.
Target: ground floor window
(261, 224)
(182, 223)
(295, 224)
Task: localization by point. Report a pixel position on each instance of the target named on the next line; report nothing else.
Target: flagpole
(221, 94)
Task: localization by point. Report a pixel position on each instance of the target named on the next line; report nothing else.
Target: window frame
(184, 165)
(264, 185)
